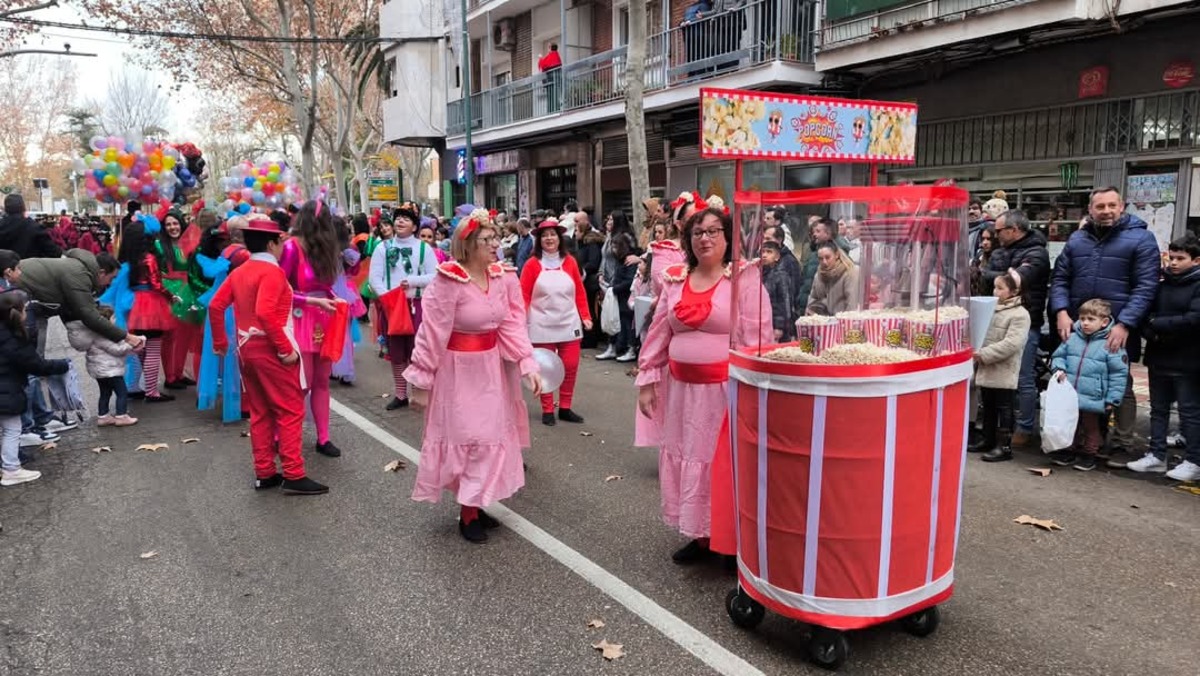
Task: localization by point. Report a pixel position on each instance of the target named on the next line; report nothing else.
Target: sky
(113, 53)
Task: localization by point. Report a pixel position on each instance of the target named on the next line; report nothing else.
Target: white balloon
(550, 368)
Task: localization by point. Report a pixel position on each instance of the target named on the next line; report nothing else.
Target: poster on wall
(739, 124)
(1151, 197)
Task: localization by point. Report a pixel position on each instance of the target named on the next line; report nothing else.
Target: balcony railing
(838, 32)
(760, 32)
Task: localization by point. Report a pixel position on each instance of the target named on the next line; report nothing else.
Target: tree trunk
(635, 120)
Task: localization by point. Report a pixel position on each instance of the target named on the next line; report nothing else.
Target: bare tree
(134, 103)
(413, 164)
(635, 118)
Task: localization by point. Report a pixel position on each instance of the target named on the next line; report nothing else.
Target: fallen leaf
(1044, 524)
(149, 555)
(606, 373)
(153, 447)
(394, 466)
(595, 624)
(49, 446)
(1194, 490)
(609, 651)
(1043, 471)
(1170, 584)
(385, 395)
(102, 449)
(601, 441)
(613, 477)
(1134, 507)
(190, 440)
(585, 434)
(245, 434)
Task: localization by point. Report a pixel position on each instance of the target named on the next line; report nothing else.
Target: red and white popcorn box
(814, 337)
(886, 331)
(953, 335)
(854, 330)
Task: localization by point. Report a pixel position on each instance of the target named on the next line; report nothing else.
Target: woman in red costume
(311, 259)
(150, 315)
(683, 371)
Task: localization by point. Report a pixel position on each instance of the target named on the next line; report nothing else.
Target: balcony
(761, 32)
(846, 22)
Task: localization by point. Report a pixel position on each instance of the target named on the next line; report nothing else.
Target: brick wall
(602, 28)
(522, 58)
(678, 7)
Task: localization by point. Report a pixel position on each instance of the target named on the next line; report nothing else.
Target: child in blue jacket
(1098, 376)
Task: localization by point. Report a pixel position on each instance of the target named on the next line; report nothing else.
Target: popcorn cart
(848, 443)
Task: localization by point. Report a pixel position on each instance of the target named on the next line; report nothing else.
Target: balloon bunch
(267, 184)
(189, 170)
(120, 169)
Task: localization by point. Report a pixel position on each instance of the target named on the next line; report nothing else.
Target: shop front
(498, 172)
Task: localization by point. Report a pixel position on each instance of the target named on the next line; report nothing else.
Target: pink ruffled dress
(689, 341)
(310, 323)
(471, 350)
(646, 432)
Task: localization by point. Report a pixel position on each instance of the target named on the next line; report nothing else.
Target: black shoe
(176, 385)
(1119, 458)
(979, 446)
(137, 396)
(245, 415)
(548, 420)
(690, 553)
(997, 454)
(188, 382)
(567, 415)
(329, 450)
(489, 522)
(160, 399)
(346, 382)
(473, 532)
(396, 403)
(304, 486)
(974, 436)
(1085, 462)
(1064, 458)
(270, 482)
(25, 458)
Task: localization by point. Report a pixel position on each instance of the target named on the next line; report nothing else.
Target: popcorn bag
(886, 331)
(923, 338)
(854, 330)
(954, 335)
(814, 337)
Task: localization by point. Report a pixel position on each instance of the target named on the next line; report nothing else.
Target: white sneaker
(124, 420)
(609, 353)
(1148, 463)
(31, 439)
(104, 421)
(1185, 471)
(629, 356)
(57, 426)
(19, 475)
(1176, 440)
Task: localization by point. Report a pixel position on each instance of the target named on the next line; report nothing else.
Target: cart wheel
(743, 610)
(923, 622)
(828, 648)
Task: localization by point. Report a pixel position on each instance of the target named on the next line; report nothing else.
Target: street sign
(383, 187)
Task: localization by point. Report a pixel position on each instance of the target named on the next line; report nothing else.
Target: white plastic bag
(610, 315)
(1060, 415)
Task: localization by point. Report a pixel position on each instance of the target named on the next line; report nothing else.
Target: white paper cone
(981, 309)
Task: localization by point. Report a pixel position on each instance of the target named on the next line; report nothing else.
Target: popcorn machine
(848, 436)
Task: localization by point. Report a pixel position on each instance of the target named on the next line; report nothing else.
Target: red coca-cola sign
(1179, 74)
(1093, 82)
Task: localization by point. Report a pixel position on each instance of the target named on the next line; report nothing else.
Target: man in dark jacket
(1023, 250)
(789, 267)
(19, 233)
(71, 283)
(1116, 258)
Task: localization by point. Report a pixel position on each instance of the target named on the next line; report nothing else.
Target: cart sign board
(383, 187)
(766, 126)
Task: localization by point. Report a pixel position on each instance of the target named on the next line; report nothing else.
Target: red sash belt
(472, 342)
(699, 374)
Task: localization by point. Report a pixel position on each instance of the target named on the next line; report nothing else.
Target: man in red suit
(270, 362)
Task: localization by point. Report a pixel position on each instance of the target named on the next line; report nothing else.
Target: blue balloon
(147, 189)
(243, 208)
(99, 174)
(248, 182)
(259, 197)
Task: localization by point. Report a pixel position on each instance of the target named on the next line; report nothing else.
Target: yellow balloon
(168, 162)
(110, 155)
(110, 180)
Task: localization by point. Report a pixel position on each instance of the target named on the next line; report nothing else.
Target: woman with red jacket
(557, 308)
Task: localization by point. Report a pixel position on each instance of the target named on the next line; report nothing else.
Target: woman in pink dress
(664, 254)
(312, 260)
(558, 312)
(682, 376)
(472, 350)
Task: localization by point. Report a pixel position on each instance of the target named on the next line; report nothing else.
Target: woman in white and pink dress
(472, 350)
(682, 376)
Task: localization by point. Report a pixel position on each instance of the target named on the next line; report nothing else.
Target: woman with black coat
(622, 286)
(18, 360)
(589, 253)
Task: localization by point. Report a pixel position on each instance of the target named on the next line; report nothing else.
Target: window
(621, 26)
(500, 79)
(557, 186)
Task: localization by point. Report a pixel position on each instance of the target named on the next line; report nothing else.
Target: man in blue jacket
(1113, 257)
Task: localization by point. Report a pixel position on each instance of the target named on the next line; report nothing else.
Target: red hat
(551, 223)
(261, 223)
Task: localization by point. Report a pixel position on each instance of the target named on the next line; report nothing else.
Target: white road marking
(685, 635)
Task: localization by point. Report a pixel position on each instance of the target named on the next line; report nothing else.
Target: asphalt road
(365, 581)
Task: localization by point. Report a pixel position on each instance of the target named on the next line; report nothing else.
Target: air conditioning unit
(504, 35)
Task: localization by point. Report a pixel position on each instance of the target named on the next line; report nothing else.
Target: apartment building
(1044, 99)
(541, 139)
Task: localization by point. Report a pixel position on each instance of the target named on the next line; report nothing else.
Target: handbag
(395, 308)
(335, 337)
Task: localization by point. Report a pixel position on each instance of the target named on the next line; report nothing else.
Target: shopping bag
(395, 308)
(1060, 415)
(610, 313)
(335, 336)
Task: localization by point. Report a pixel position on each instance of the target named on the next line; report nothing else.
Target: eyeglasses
(711, 233)
(488, 241)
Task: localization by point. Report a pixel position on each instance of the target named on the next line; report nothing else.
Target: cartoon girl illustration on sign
(859, 128)
(775, 125)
